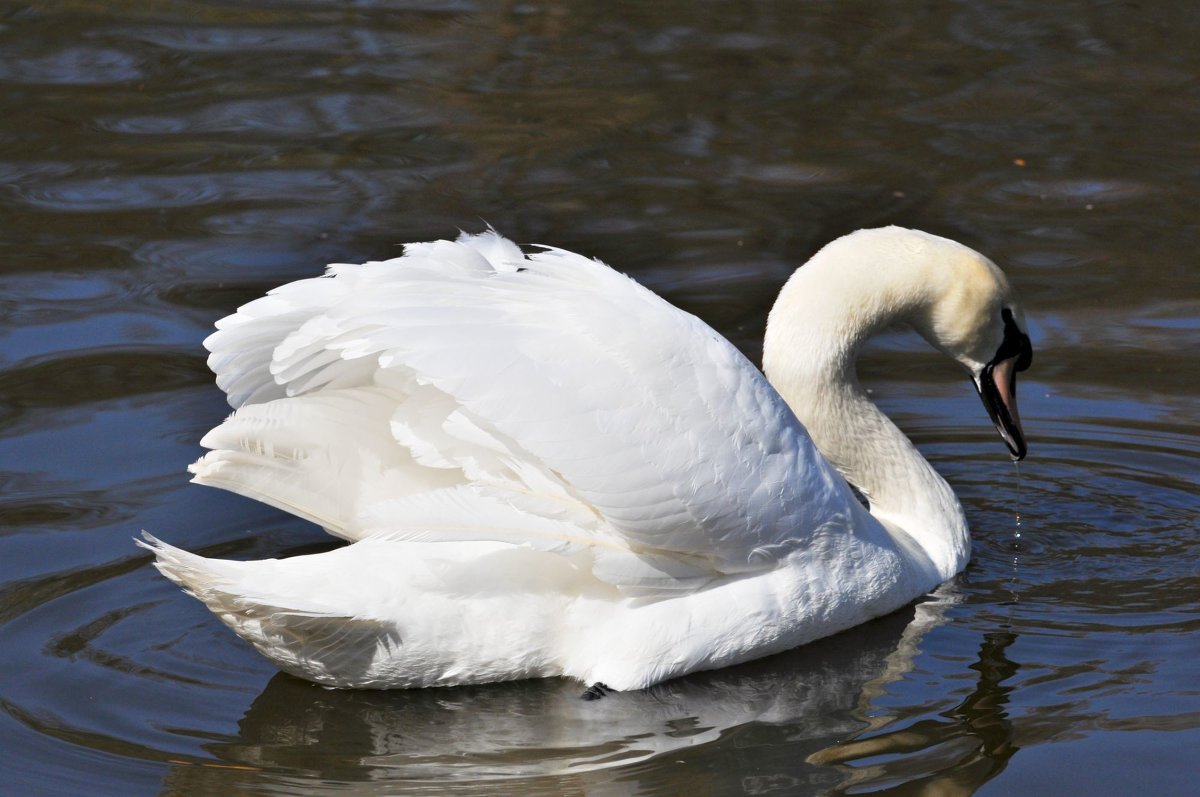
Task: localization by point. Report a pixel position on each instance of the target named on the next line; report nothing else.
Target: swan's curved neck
(823, 315)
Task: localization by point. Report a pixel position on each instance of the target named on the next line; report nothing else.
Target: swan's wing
(545, 380)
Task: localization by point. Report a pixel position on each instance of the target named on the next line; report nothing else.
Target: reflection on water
(162, 163)
(975, 740)
(540, 737)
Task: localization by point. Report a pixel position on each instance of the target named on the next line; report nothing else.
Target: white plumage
(545, 469)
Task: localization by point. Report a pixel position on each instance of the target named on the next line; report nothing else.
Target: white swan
(547, 470)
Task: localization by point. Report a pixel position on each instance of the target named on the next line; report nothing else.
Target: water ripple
(144, 192)
(1077, 192)
(82, 66)
(303, 115)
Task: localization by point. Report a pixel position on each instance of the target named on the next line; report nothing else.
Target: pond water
(163, 163)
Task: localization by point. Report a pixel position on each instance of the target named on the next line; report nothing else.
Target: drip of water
(1017, 526)
(1015, 545)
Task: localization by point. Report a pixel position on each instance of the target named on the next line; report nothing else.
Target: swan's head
(976, 318)
(996, 381)
(868, 280)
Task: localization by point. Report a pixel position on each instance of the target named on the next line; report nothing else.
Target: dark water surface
(163, 162)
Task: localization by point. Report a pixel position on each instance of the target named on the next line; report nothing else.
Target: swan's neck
(824, 314)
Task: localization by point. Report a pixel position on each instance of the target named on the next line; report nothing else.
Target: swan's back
(467, 391)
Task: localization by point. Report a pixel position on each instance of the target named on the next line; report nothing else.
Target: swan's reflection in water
(784, 715)
(949, 757)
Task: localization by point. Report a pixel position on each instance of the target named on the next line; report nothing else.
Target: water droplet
(1017, 510)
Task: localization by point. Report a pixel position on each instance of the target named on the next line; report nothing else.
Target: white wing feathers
(468, 391)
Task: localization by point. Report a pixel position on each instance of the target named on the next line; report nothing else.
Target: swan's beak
(997, 386)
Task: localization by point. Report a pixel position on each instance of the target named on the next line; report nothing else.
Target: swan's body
(547, 470)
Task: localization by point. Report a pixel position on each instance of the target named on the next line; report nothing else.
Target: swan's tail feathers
(320, 457)
(303, 638)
